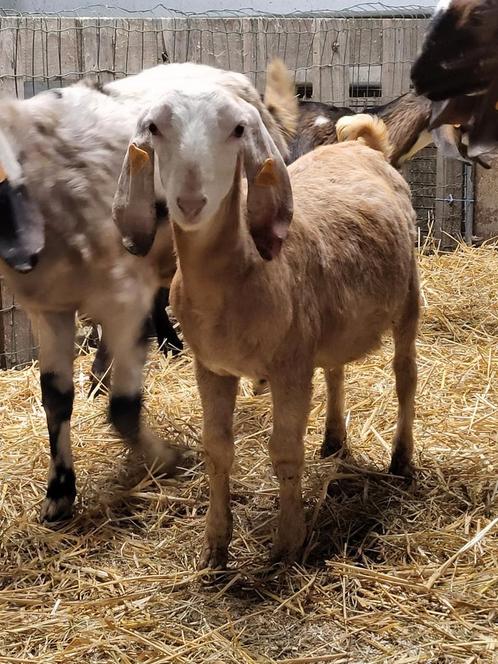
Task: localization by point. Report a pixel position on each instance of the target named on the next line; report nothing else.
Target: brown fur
(406, 118)
(345, 276)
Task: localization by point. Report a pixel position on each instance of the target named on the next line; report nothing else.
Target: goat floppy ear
(133, 208)
(22, 228)
(269, 194)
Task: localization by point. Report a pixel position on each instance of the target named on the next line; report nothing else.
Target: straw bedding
(392, 573)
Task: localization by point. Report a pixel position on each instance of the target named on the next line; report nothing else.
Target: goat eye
(238, 131)
(153, 129)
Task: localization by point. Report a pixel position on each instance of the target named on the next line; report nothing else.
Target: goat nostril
(191, 207)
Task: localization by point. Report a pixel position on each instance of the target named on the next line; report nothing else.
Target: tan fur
(345, 276)
(280, 97)
(366, 129)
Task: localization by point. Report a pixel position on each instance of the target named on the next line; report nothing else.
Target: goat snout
(191, 206)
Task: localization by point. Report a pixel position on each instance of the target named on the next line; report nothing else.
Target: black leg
(167, 337)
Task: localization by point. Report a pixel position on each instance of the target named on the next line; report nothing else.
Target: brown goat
(259, 296)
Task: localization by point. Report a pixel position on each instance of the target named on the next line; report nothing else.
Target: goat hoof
(402, 466)
(60, 509)
(260, 387)
(158, 455)
(213, 557)
(284, 554)
(331, 445)
(289, 543)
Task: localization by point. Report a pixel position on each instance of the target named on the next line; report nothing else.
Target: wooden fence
(348, 61)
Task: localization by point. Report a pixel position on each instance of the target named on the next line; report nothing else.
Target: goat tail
(280, 97)
(368, 129)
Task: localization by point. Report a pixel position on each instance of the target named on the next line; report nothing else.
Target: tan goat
(260, 296)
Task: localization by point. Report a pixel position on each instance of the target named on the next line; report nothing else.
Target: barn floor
(392, 573)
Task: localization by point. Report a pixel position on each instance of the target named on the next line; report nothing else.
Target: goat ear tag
(138, 158)
(266, 176)
(3, 174)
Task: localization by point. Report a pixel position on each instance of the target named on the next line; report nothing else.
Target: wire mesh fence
(358, 57)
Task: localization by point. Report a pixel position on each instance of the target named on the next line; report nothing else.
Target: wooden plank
(298, 54)
(249, 48)
(70, 50)
(486, 209)
(448, 209)
(331, 61)
(150, 55)
(106, 34)
(16, 343)
(121, 27)
(390, 58)
(53, 71)
(228, 45)
(134, 56)
(89, 47)
(166, 39)
(8, 54)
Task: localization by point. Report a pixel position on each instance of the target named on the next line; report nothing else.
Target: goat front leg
(100, 375)
(126, 338)
(56, 338)
(218, 395)
(291, 402)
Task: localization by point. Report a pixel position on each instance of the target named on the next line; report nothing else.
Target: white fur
(442, 6)
(8, 162)
(196, 140)
(321, 120)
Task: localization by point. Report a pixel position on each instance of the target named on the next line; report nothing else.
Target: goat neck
(225, 247)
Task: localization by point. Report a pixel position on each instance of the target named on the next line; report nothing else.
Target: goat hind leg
(167, 337)
(335, 429)
(405, 370)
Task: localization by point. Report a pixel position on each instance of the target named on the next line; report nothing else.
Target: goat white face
(197, 139)
(198, 136)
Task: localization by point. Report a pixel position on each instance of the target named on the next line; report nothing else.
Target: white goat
(61, 154)
(261, 297)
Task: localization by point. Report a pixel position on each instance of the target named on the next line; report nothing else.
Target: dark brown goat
(458, 70)
(407, 120)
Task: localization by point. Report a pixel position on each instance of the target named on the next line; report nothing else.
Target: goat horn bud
(266, 176)
(138, 158)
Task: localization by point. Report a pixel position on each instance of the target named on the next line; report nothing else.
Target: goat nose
(191, 205)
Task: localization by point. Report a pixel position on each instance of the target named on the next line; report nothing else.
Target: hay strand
(392, 573)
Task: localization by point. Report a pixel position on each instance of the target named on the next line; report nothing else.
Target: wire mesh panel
(355, 58)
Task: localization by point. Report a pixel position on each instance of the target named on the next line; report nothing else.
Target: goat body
(345, 276)
(343, 273)
(406, 118)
